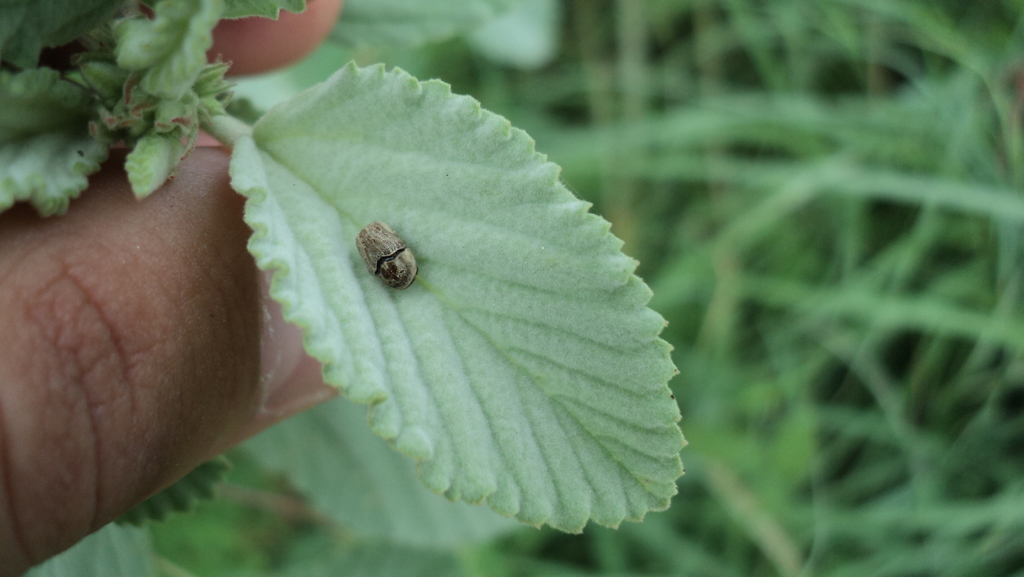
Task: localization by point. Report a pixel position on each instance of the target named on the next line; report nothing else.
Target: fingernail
(292, 380)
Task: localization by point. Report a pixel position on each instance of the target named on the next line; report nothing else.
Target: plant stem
(764, 530)
(227, 129)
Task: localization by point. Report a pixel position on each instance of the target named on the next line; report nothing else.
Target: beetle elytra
(386, 256)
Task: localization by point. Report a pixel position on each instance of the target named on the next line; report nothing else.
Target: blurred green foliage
(825, 196)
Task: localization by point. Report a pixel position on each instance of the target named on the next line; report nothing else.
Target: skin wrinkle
(228, 397)
(193, 312)
(138, 349)
(163, 342)
(160, 386)
(109, 388)
(5, 476)
(13, 528)
(125, 386)
(62, 430)
(78, 368)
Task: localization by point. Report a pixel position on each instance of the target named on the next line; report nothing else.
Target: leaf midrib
(458, 311)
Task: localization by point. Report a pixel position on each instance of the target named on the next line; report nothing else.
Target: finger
(129, 351)
(255, 45)
(292, 381)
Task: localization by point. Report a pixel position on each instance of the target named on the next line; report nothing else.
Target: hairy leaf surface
(523, 366)
(352, 475)
(170, 48)
(45, 148)
(264, 8)
(152, 161)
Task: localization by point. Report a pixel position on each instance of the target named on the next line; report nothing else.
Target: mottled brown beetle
(386, 256)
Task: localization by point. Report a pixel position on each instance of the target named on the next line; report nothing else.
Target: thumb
(130, 352)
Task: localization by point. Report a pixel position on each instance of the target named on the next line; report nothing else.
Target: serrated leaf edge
(511, 134)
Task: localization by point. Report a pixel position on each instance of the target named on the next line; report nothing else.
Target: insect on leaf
(523, 367)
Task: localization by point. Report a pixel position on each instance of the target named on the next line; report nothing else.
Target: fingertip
(130, 347)
(292, 381)
(255, 45)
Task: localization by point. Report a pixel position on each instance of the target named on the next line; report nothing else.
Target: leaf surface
(113, 551)
(152, 161)
(197, 485)
(412, 22)
(27, 27)
(170, 48)
(264, 8)
(525, 37)
(46, 152)
(523, 366)
(354, 477)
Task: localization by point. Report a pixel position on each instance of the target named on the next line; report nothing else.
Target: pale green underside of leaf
(28, 26)
(353, 476)
(151, 162)
(46, 152)
(113, 551)
(48, 170)
(170, 48)
(523, 366)
(264, 8)
(412, 22)
(525, 37)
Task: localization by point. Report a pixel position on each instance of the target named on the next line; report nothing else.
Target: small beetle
(386, 256)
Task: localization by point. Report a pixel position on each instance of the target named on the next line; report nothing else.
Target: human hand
(136, 337)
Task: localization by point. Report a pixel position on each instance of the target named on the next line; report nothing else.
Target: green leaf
(170, 48)
(152, 161)
(45, 148)
(113, 551)
(264, 8)
(37, 101)
(197, 485)
(160, 130)
(523, 366)
(412, 22)
(27, 27)
(354, 477)
(525, 37)
(106, 79)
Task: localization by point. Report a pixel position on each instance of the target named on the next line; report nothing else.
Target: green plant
(830, 199)
(522, 369)
(825, 196)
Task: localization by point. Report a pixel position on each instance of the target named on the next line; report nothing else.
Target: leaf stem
(227, 129)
